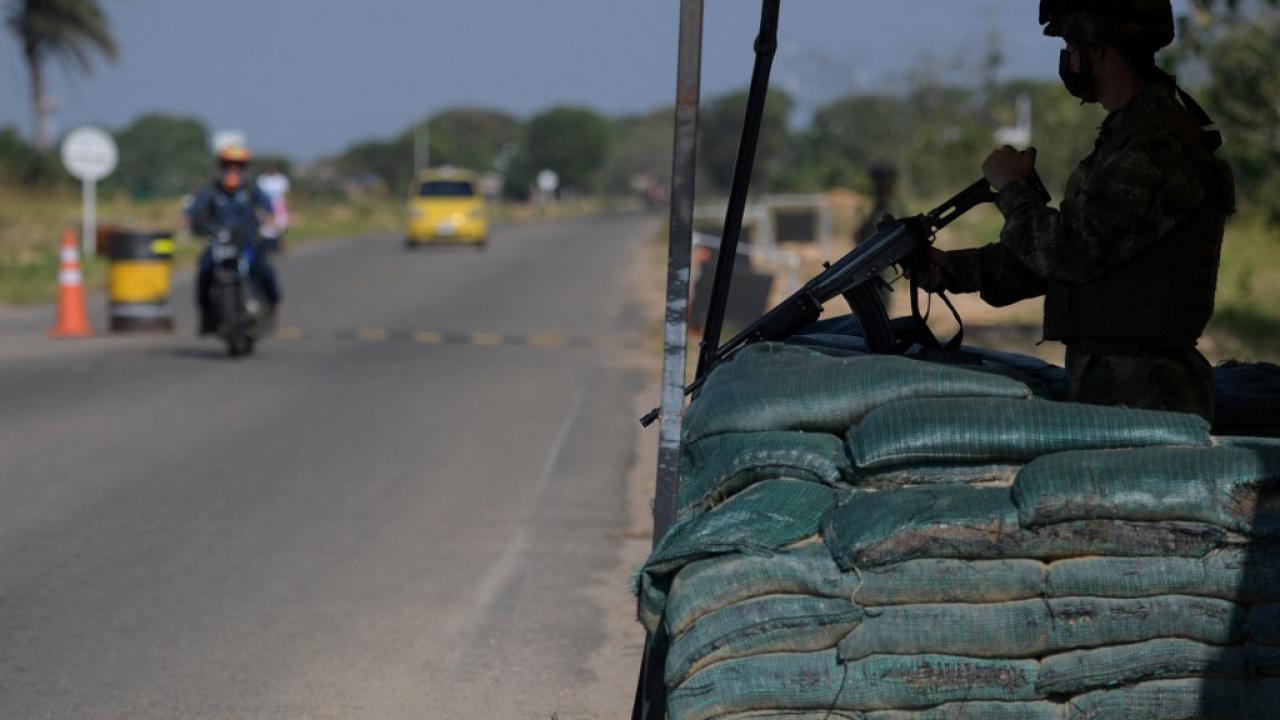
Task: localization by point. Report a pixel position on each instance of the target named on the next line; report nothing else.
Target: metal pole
(651, 702)
(766, 46)
(684, 169)
(89, 232)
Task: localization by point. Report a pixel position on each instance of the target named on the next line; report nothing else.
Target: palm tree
(66, 30)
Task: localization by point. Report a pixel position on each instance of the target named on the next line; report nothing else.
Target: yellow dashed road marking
(290, 333)
(424, 337)
(486, 339)
(373, 334)
(548, 341)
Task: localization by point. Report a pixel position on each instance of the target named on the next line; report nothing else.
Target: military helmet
(1148, 23)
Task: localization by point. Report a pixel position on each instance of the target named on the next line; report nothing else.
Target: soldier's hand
(1007, 165)
(937, 272)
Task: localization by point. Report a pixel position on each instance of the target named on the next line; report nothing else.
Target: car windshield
(446, 188)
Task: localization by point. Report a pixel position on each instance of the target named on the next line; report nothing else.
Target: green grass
(31, 226)
(1247, 322)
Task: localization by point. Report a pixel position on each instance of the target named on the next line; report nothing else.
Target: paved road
(413, 504)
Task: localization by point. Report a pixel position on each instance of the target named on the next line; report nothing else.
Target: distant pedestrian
(275, 185)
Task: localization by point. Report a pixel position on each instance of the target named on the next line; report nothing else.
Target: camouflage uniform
(1128, 266)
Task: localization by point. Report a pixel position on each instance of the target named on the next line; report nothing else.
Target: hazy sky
(308, 77)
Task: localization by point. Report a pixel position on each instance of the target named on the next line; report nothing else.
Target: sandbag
(771, 386)
(1033, 628)
(715, 583)
(1235, 487)
(762, 519)
(795, 715)
(1248, 399)
(714, 469)
(933, 433)
(818, 681)
(977, 711)
(845, 334)
(871, 529)
(1247, 574)
(949, 581)
(1074, 673)
(1001, 474)
(775, 624)
(1180, 700)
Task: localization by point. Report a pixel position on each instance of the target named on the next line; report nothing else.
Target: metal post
(89, 231)
(650, 702)
(766, 46)
(684, 169)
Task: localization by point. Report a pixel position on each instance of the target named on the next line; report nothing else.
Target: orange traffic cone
(73, 321)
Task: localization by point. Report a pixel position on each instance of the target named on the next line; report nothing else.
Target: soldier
(1128, 265)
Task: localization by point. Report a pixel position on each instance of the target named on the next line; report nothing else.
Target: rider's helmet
(1145, 24)
(234, 154)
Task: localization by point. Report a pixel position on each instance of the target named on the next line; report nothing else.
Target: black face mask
(1079, 84)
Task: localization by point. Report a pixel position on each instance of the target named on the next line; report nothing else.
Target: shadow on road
(212, 352)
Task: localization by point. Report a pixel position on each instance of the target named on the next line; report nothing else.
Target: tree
(22, 165)
(1244, 98)
(642, 153)
(162, 156)
(65, 30)
(472, 138)
(721, 132)
(574, 142)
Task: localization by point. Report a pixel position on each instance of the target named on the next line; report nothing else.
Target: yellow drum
(140, 281)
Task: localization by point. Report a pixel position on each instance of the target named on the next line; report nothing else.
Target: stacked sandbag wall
(883, 538)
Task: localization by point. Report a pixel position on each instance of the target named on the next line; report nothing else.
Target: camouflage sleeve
(994, 272)
(1131, 200)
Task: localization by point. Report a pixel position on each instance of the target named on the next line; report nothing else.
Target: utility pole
(421, 146)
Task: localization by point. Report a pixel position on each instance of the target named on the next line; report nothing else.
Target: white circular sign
(89, 154)
(548, 181)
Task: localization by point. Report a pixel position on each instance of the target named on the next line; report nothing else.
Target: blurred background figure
(884, 193)
(884, 204)
(275, 185)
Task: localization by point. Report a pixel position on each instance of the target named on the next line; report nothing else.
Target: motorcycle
(240, 314)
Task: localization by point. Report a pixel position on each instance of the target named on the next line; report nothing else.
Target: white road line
(501, 571)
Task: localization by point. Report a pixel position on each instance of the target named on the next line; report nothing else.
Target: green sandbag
(998, 474)
(715, 583)
(1235, 487)
(1033, 628)
(763, 519)
(997, 430)
(818, 681)
(771, 386)
(1074, 673)
(1180, 700)
(872, 529)
(949, 581)
(776, 624)
(795, 715)
(718, 467)
(1247, 574)
(977, 711)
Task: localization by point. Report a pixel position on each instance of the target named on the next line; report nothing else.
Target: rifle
(857, 278)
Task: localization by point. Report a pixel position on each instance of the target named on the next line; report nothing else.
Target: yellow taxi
(446, 206)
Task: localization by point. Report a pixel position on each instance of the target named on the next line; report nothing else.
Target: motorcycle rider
(231, 202)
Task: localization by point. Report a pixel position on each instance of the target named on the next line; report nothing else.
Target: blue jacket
(214, 208)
